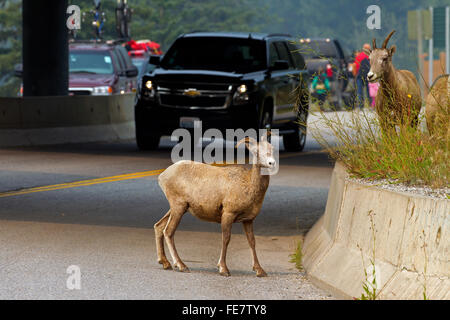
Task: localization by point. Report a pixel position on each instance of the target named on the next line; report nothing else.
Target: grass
(297, 257)
(370, 283)
(402, 155)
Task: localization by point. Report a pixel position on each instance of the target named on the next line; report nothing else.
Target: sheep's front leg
(226, 223)
(248, 228)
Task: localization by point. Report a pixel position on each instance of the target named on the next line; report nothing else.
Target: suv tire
(296, 141)
(144, 139)
(146, 142)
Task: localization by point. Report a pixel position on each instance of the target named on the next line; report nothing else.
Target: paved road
(105, 227)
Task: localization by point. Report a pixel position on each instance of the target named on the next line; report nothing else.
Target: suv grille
(194, 95)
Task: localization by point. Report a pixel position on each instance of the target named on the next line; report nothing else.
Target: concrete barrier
(411, 247)
(70, 119)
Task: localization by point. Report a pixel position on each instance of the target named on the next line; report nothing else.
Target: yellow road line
(135, 175)
(90, 182)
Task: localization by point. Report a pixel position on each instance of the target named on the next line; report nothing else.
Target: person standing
(320, 86)
(362, 67)
(373, 90)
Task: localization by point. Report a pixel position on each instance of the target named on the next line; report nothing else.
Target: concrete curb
(56, 120)
(411, 236)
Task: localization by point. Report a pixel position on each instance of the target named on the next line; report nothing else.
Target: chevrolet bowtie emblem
(191, 93)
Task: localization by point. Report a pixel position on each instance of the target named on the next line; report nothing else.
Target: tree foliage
(10, 45)
(164, 20)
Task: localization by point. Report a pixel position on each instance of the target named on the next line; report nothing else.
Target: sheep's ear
(392, 50)
(250, 143)
(266, 135)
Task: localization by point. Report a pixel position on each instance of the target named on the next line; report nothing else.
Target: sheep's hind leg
(248, 228)
(169, 232)
(226, 223)
(159, 235)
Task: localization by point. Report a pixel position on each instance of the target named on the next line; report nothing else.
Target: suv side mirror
(155, 60)
(132, 72)
(280, 65)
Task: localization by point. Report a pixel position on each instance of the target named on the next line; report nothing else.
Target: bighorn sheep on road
(398, 97)
(437, 110)
(217, 194)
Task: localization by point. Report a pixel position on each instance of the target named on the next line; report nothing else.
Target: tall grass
(402, 155)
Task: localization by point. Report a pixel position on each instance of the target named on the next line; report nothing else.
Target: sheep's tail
(162, 178)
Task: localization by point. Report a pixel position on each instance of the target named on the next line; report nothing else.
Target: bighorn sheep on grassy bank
(437, 110)
(398, 99)
(217, 194)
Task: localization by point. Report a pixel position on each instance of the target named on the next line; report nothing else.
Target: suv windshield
(317, 49)
(90, 62)
(219, 54)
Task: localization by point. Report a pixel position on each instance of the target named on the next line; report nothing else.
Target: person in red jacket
(362, 66)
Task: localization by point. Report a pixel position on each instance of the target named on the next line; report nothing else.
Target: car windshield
(90, 62)
(139, 62)
(317, 49)
(219, 54)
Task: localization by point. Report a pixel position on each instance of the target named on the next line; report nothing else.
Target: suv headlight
(241, 95)
(148, 89)
(102, 91)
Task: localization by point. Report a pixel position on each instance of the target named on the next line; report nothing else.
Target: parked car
(328, 54)
(100, 69)
(231, 80)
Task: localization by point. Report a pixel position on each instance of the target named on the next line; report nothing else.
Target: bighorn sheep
(224, 195)
(398, 99)
(437, 110)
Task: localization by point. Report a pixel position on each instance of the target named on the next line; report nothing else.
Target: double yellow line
(90, 182)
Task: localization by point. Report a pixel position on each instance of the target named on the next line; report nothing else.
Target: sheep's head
(380, 59)
(262, 151)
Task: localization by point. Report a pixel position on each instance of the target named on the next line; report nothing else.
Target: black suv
(226, 80)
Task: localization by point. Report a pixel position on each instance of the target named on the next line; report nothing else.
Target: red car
(100, 69)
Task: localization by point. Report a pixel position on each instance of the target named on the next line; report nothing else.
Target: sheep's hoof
(261, 273)
(166, 264)
(182, 267)
(224, 272)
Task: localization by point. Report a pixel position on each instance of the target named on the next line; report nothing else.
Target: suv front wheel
(296, 141)
(145, 140)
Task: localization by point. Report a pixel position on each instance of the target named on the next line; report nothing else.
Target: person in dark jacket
(362, 66)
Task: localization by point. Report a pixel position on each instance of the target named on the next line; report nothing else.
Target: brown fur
(437, 110)
(398, 99)
(216, 194)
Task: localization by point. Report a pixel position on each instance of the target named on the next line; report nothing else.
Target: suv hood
(90, 80)
(205, 76)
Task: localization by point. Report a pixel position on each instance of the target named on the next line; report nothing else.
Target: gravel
(392, 185)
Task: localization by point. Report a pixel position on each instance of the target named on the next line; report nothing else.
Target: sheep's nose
(271, 162)
(370, 75)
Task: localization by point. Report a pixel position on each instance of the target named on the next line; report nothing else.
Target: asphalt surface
(106, 228)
